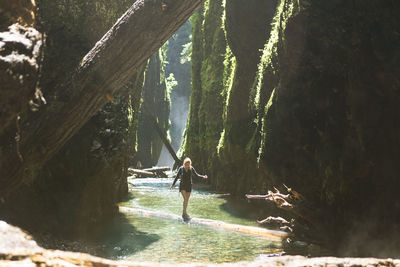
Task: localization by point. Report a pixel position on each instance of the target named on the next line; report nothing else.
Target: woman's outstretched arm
(199, 175)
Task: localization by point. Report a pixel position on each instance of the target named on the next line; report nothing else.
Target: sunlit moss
(264, 131)
(229, 73)
(221, 142)
(285, 10)
(206, 8)
(130, 111)
(268, 66)
(269, 50)
(207, 98)
(214, 67)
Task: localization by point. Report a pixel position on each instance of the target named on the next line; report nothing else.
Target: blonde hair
(187, 160)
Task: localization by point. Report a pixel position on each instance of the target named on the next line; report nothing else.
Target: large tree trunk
(103, 71)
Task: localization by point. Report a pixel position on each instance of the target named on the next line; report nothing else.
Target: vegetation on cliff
(205, 116)
(315, 110)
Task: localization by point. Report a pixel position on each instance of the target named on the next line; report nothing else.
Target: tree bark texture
(110, 64)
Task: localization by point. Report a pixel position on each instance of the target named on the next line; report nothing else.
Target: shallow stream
(157, 239)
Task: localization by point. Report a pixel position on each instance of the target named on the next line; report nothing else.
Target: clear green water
(168, 240)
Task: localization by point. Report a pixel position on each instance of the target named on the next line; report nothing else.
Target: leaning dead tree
(106, 68)
(162, 136)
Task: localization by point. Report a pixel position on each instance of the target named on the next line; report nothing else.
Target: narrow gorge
(289, 106)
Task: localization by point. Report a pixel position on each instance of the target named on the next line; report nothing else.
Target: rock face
(205, 117)
(22, 12)
(315, 110)
(20, 54)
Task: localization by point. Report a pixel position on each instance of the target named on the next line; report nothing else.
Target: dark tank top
(186, 176)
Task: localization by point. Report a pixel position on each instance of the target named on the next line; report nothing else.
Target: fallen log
(274, 220)
(251, 230)
(141, 172)
(304, 214)
(292, 202)
(150, 172)
(157, 169)
(105, 69)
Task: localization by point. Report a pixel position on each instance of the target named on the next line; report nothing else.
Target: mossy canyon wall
(71, 91)
(303, 93)
(75, 193)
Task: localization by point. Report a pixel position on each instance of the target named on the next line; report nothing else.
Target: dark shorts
(185, 186)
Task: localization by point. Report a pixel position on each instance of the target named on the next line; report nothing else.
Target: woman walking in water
(185, 187)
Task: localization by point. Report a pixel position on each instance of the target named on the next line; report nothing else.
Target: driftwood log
(278, 220)
(297, 207)
(105, 69)
(141, 173)
(157, 169)
(150, 172)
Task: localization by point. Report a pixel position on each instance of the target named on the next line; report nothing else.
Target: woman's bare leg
(186, 196)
